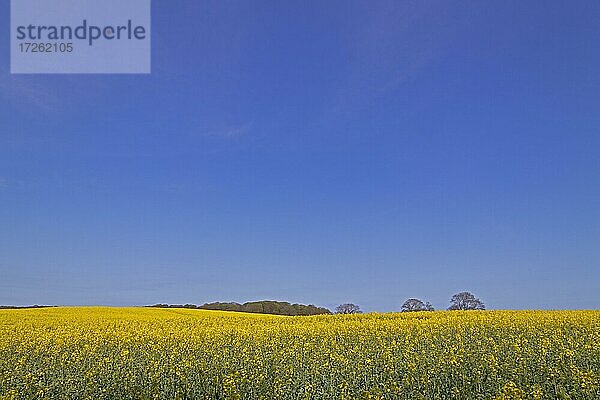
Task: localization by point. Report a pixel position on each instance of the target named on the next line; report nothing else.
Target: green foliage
(259, 307)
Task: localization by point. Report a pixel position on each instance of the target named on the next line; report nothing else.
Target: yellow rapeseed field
(144, 353)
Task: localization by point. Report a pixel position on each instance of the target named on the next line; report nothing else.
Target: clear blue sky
(316, 152)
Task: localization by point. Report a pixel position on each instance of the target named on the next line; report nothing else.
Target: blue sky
(315, 152)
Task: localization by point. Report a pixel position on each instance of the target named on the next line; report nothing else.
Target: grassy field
(140, 353)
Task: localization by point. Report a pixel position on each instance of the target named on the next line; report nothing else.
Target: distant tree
(465, 301)
(268, 307)
(222, 306)
(411, 305)
(347, 308)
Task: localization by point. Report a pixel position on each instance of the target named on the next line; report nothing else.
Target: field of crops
(141, 353)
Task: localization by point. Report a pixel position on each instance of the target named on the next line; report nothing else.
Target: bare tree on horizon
(465, 301)
(347, 308)
(412, 305)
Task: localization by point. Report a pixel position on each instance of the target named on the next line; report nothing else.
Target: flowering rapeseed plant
(141, 353)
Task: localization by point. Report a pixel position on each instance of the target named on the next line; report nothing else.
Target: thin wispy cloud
(234, 131)
(391, 47)
(229, 132)
(27, 91)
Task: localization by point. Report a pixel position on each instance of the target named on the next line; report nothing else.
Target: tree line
(22, 307)
(260, 307)
(460, 301)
